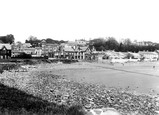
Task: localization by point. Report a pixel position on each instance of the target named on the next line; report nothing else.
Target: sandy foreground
(93, 85)
(136, 77)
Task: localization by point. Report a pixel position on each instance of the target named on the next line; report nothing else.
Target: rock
(110, 111)
(104, 111)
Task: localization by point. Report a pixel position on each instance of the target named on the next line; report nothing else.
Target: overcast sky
(76, 19)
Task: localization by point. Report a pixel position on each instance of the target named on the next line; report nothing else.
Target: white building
(149, 55)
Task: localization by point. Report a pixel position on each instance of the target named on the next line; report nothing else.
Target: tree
(32, 38)
(157, 46)
(127, 42)
(34, 41)
(7, 39)
(1, 41)
(98, 43)
(121, 47)
(19, 42)
(49, 40)
(112, 44)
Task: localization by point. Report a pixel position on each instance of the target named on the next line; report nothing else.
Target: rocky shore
(55, 88)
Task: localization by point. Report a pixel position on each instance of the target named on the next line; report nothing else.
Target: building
(149, 55)
(38, 52)
(20, 46)
(48, 49)
(26, 45)
(30, 51)
(72, 52)
(134, 55)
(80, 52)
(144, 43)
(5, 51)
(15, 53)
(81, 42)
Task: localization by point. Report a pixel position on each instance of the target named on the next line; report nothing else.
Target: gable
(4, 48)
(82, 49)
(7, 46)
(43, 41)
(69, 49)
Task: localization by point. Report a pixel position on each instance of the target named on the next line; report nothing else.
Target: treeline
(7, 39)
(126, 45)
(35, 42)
(100, 44)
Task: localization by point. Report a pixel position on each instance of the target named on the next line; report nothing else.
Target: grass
(16, 102)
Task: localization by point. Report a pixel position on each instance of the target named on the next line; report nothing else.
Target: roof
(144, 52)
(71, 43)
(81, 49)
(38, 48)
(43, 40)
(49, 44)
(135, 54)
(69, 49)
(26, 44)
(29, 49)
(16, 51)
(8, 46)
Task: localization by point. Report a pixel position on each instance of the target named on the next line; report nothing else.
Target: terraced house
(72, 50)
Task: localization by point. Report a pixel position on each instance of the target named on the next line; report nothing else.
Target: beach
(128, 88)
(137, 77)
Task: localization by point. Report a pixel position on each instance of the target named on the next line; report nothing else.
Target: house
(15, 53)
(16, 46)
(5, 51)
(37, 52)
(81, 42)
(70, 52)
(134, 55)
(81, 51)
(26, 45)
(150, 56)
(30, 51)
(48, 49)
(111, 55)
(144, 43)
(34, 52)
(20, 46)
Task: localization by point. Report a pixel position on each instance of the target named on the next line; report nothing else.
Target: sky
(80, 19)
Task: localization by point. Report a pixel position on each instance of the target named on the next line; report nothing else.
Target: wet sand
(134, 77)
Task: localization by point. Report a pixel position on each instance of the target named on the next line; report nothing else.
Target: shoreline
(94, 72)
(44, 82)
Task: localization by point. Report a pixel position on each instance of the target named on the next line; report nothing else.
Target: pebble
(92, 97)
(104, 111)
